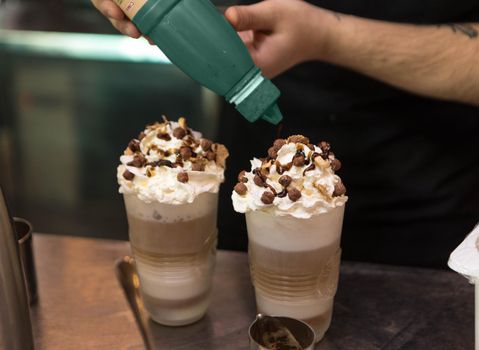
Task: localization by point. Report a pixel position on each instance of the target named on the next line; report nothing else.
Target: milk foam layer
(160, 161)
(313, 179)
(174, 247)
(203, 204)
(287, 233)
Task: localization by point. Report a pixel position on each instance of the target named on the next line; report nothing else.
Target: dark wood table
(81, 304)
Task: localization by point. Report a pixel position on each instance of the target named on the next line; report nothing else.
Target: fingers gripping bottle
(199, 41)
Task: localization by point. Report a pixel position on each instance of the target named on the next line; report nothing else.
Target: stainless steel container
(15, 325)
(277, 332)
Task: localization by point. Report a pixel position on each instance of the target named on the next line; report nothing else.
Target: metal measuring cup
(268, 330)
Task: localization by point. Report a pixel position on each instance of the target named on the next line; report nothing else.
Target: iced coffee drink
(294, 205)
(170, 177)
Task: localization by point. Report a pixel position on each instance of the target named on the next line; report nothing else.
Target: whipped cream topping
(297, 178)
(170, 163)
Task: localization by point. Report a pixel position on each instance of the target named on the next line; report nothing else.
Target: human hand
(117, 18)
(278, 33)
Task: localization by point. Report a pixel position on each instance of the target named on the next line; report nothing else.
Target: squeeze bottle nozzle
(199, 41)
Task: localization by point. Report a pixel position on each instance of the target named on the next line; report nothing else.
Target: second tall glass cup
(174, 247)
(169, 177)
(294, 265)
(294, 205)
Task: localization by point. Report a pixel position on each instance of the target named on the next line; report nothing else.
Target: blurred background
(73, 92)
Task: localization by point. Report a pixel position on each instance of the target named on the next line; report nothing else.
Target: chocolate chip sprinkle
(241, 188)
(128, 175)
(299, 160)
(178, 161)
(186, 152)
(283, 193)
(134, 145)
(182, 177)
(188, 140)
(285, 180)
(138, 161)
(164, 136)
(267, 197)
(179, 132)
(278, 143)
(339, 189)
(294, 194)
(206, 144)
(335, 164)
(242, 177)
(258, 180)
(272, 153)
(325, 146)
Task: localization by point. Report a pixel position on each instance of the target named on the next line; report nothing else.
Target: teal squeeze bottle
(199, 41)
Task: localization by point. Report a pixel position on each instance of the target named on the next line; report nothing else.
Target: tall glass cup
(174, 247)
(294, 265)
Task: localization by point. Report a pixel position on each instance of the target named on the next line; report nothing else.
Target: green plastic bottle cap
(261, 103)
(273, 114)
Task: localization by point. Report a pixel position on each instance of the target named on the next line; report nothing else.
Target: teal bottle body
(199, 41)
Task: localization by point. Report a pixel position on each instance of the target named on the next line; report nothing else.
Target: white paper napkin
(465, 258)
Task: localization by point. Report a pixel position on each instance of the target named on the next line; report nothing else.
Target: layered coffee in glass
(170, 177)
(294, 205)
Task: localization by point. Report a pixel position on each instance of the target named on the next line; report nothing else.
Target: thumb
(253, 17)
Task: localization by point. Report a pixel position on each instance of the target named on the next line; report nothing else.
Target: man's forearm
(437, 61)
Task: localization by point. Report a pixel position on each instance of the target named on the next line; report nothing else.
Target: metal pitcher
(15, 325)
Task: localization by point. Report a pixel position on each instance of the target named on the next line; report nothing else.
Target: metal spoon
(128, 277)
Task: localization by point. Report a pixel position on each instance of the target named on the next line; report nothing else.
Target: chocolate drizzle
(164, 136)
(280, 169)
(309, 168)
(271, 188)
(258, 172)
(179, 160)
(299, 152)
(164, 162)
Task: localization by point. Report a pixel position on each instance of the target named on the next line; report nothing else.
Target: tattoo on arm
(463, 28)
